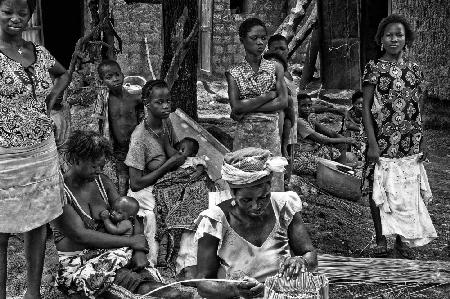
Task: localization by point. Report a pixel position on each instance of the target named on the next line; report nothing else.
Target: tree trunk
(289, 26)
(108, 35)
(304, 29)
(184, 89)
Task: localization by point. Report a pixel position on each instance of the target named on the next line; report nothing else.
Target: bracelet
(304, 261)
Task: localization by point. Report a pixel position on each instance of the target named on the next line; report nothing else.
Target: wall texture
(226, 47)
(430, 20)
(133, 22)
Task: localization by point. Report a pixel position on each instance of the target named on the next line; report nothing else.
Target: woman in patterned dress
(392, 88)
(30, 182)
(258, 94)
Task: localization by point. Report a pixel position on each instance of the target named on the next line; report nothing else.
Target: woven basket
(333, 178)
(306, 286)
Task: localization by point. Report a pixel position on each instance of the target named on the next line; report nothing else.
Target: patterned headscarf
(250, 166)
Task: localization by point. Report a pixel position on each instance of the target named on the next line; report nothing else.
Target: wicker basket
(337, 179)
(306, 286)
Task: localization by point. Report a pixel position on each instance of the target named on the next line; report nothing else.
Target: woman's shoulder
(286, 205)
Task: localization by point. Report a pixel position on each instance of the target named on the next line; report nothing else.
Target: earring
(382, 47)
(233, 203)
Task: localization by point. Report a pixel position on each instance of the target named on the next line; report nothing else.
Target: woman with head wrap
(30, 183)
(255, 234)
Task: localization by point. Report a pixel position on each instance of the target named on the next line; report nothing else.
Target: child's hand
(104, 214)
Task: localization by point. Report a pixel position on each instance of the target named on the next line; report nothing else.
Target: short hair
(278, 57)
(86, 146)
(409, 33)
(357, 95)
(276, 38)
(248, 24)
(105, 63)
(132, 205)
(148, 87)
(31, 5)
(195, 145)
(302, 96)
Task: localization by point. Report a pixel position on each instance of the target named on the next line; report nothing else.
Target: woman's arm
(73, 228)
(139, 181)
(281, 102)
(239, 106)
(207, 267)
(62, 80)
(322, 139)
(373, 152)
(322, 129)
(300, 242)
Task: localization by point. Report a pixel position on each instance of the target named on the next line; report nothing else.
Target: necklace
(147, 126)
(20, 50)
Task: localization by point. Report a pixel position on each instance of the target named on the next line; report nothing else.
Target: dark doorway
(371, 14)
(62, 27)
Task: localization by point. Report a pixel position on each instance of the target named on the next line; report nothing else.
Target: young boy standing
(278, 45)
(118, 117)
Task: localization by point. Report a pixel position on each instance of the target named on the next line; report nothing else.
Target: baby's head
(278, 44)
(278, 58)
(188, 147)
(357, 101)
(125, 207)
(110, 74)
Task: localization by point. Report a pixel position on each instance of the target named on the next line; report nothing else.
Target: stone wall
(226, 47)
(133, 22)
(430, 20)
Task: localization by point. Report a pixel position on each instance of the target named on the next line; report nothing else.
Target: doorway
(371, 14)
(62, 23)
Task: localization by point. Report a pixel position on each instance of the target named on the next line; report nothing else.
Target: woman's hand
(373, 153)
(251, 288)
(424, 153)
(292, 266)
(138, 243)
(352, 141)
(175, 161)
(104, 214)
(138, 261)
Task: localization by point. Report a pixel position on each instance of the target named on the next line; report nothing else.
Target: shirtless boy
(123, 111)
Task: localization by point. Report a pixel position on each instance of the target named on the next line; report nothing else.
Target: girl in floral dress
(392, 88)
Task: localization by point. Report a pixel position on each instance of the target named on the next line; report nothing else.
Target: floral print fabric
(23, 93)
(395, 110)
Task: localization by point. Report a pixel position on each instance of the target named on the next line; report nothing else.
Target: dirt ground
(339, 227)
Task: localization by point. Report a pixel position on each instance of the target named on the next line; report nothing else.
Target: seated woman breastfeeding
(251, 235)
(92, 262)
(258, 95)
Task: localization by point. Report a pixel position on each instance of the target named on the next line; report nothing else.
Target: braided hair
(86, 146)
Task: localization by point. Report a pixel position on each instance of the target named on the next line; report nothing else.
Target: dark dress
(396, 111)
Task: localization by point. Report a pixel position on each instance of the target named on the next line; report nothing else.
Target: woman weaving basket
(254, 235)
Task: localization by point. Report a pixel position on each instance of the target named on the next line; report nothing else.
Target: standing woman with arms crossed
(392, 105)
(30, 182)
(258, 94)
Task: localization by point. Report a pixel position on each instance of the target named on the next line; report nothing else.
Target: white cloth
(194, 161)
(146, 205)
(400, 190)
(187, 254)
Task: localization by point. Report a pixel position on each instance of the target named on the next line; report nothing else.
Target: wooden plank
(185, 126)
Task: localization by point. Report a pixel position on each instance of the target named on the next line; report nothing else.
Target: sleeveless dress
(257, 129)
(240, 258)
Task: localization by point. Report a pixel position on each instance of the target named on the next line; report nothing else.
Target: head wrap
(250, 166)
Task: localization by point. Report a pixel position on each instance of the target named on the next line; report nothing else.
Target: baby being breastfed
(119, 220)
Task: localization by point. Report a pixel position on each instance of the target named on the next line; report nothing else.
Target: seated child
(120, 220)
(352, 126)
(188, 147)
(314, 140)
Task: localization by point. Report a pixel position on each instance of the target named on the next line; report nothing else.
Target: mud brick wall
(430, 20)
(133, 22)
(226, 47)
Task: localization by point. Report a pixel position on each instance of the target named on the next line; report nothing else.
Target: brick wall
(226, 47)
(430, 20)
(133, 22)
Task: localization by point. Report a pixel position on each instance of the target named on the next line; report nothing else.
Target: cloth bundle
(401, 190)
